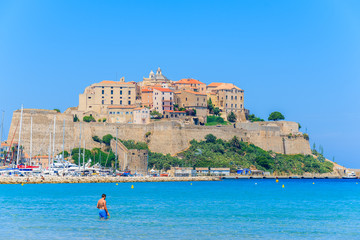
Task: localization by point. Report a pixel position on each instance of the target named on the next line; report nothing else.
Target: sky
(298, 57)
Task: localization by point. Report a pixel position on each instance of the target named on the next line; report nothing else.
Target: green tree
(275, 116)
(156, 114)
(89, 119)
(75, 118)
(216, 111)
(231, 117)
(306, 136)
(104, 120)
(107, 139)
(210, 106)
(58, 110)
(253, 118)
(210, 138)
(96, 139)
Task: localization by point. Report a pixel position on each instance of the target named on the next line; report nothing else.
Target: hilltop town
(158, 97)
(165, 116)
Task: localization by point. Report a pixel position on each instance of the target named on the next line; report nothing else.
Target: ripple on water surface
(230, 209)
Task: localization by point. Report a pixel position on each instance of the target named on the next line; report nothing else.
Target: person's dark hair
(104, 195)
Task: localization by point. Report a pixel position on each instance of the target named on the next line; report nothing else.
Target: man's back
(101, 204)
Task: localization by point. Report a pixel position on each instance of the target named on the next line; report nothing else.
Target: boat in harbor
(350, 175)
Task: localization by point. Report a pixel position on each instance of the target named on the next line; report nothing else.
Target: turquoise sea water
(230, 209)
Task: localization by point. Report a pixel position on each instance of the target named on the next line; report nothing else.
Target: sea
(228, 209)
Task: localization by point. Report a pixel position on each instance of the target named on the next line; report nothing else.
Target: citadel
(165, 114)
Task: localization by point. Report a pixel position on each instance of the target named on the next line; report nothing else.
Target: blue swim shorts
(102, 213)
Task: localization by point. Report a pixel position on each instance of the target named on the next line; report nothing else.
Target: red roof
(162, 89)
(113, 82)
(174, 111)
(214, 84)
(188, 81)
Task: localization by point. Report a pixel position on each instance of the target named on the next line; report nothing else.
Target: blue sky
(301, 58)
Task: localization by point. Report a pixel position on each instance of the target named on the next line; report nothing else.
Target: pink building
(163, 99)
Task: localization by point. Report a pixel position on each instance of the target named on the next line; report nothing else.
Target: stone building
(192, 100)
(190, 85)
(174, 114)
(121, 114)
(141, 115)
(133, 160)
(227, 97)
(163, 99)
(99, 96)
(154, 79)
(147, 97)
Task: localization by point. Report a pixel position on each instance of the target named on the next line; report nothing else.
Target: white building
(163, 99)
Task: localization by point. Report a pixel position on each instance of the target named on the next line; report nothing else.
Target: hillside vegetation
(214, 152)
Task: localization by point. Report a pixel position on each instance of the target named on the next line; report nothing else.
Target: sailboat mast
(49, 151)
(19, 143)
(53, 155)
(63, 146)
(116, 152)
(79, 146)
(84, 154)
(31, 129)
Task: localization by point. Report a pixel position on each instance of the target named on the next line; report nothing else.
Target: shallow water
(230, 209)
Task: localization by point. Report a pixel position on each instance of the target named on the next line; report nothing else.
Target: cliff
(165, 136)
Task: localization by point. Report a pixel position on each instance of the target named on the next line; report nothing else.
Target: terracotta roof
(214, 84)
(113, 82)
(197, 93)
(162, 89)
(227, 86)
(188, 81)
(139, 108)
(174, 111)
(121, 107)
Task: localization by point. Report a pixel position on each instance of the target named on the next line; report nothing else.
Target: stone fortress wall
(166, 136)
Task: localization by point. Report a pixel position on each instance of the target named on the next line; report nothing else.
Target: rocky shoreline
(98, 179)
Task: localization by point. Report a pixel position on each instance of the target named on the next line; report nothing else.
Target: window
(163, 98)
(240, 105)
(111, 97)
(102, 97)
(231, 105)
(120, 102)
(235, 97)
(112, 87)
(232, 97)
(111, 101)
(129, 102)
(102, 87)
(102, 101)
(120, 92)
(185, 99)
(89, 97)
(102, 91)
(240, 98)
(120, 87)
(235, 105)
(112, 91)
(129, 92)
(226, 96)
(197, 99)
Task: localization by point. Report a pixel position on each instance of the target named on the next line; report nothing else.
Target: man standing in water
(101, 205)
